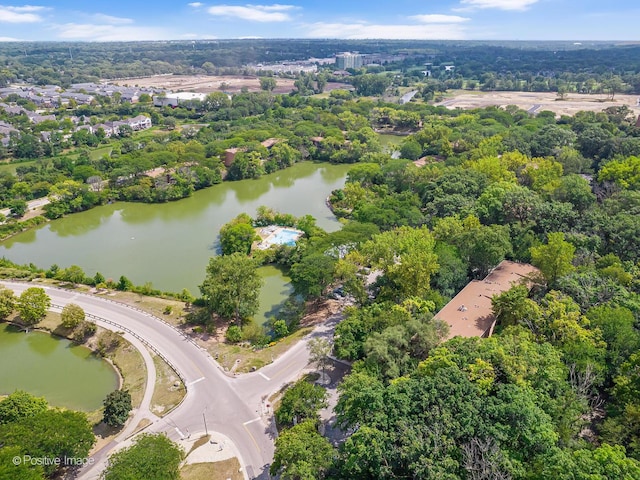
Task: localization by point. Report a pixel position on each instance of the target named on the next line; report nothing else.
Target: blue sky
(82, 20)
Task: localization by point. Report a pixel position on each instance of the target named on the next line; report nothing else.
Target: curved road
(234, 407)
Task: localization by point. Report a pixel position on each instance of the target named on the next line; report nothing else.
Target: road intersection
(234, 406)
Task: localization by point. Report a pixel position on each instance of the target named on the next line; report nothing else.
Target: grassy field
(224, 470)
(97, 153)
(166, 395)
(247, 358)
(11, 167)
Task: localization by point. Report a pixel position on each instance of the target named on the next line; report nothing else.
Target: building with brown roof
(230, 153)
(469, 313)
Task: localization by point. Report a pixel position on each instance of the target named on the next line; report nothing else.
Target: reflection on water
(170, 244)
(66, 375)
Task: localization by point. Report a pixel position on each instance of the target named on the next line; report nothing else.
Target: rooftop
(469, 313)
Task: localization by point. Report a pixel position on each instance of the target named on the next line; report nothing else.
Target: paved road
(31, 205)
(235, 407)
(406, 98)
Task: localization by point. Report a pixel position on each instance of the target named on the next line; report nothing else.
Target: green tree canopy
(19, 405)
(151, 456)
(302, 453)
(553, 259)
(50, 434)
(32, 305)
(117, 406)
(231, 287)
(300, 402)
(237, 235)
(7, 302)
(72, 315)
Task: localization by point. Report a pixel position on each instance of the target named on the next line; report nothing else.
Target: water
(391, 143)
(169, 244)
(67, 375)
(284, 237)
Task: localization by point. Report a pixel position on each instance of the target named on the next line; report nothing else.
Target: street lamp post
(204, 419)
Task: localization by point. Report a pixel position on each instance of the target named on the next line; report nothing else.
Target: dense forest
(535, 66)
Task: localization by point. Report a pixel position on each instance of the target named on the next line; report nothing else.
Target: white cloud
(23, 14)
(399, 32)
(27, 8)
(254, 13)
(9, 39)
(439, 18)
(195, 4)
(108, 33)
(276, 7)
(100, 17)
(500, 4)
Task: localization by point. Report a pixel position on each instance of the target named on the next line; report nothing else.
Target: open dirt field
(536, 102)
(208, 84)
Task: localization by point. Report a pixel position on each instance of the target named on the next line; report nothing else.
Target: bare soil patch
(539, 101)
(216, 83)
(206, 83)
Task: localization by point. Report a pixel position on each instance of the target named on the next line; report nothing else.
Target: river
(65, 374)
(169, 244)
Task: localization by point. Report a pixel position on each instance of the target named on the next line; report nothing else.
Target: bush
(234, 334)
(83, 330)
(255, 334)
(108, 341)
(280, 329)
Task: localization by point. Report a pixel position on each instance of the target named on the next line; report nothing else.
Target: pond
(67, 375)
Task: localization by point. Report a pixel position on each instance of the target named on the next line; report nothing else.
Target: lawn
(226, 469)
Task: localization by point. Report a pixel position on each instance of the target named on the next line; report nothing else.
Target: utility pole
(204, 419)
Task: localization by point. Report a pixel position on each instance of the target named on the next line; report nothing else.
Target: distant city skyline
(76, 20)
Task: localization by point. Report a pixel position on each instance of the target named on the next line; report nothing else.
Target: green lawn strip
(169, 390)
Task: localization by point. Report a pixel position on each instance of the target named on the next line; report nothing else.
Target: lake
(169, 244)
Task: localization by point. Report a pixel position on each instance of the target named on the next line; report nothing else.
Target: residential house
(230, 153)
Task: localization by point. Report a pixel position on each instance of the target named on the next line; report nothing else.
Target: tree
(553, 259)
(19, 405)
(319, 351)
(300, 402)
(237, 235)
(72, 315)
(73, 274)
(407, 258)
(231, 287)
(50, 434)
(117, 406)
(124, 284)
(18, 208)
(32, 305)
(151, 456)
(267, 83)
(7, 302)
(311, 275)
(484, 247)
(301, 453)
(22, 471)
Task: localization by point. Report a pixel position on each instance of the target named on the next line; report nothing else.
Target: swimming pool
(284, 236)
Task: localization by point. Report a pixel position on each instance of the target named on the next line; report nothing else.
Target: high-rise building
(348, 60)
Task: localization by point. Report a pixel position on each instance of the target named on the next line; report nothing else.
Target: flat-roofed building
(469, 313)
(349, 60)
